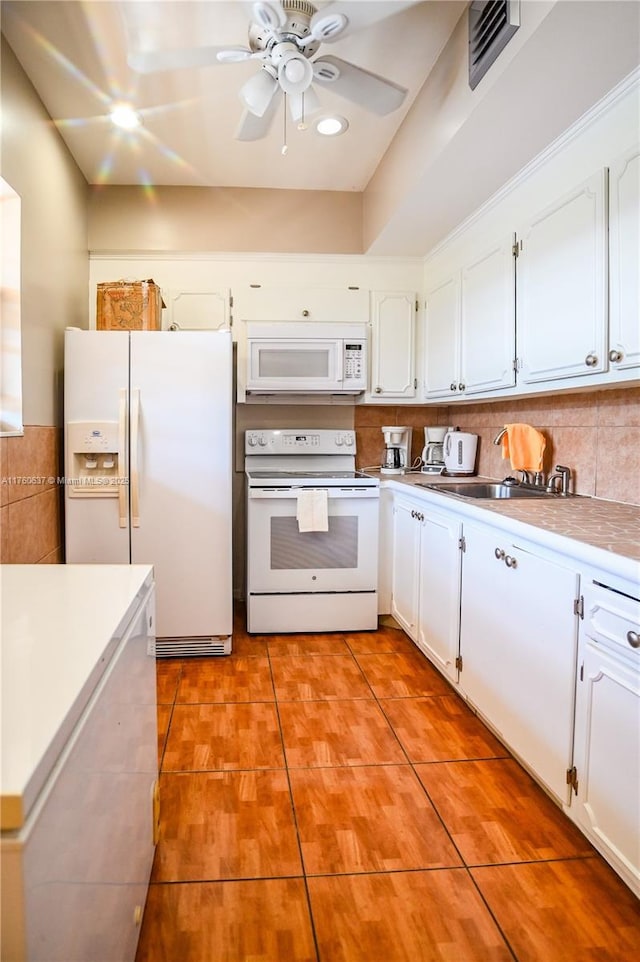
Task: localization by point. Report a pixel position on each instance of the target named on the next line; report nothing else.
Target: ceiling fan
(283, 37)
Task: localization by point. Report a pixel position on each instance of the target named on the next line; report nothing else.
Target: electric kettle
(460, 453)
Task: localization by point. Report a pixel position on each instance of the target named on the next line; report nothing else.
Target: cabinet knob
(499, 553)
(511, 562)
(453, 386)
(378, 390)
(633, 639)
(615, 356)
(591, 360)
(305, 313)
(462, 386)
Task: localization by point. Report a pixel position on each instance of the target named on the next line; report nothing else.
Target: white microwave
(306, 358)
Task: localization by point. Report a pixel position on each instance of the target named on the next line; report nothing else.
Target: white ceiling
(75, 54)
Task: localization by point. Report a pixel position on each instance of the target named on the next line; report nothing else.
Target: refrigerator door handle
(122, 441)
(135, 478)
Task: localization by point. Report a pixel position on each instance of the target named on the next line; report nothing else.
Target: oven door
(283, 559)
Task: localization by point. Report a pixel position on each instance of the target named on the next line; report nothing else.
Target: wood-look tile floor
(329, 798)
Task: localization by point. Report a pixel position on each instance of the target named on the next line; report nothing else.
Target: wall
(55, 274)
(225, 219)
(596, 434)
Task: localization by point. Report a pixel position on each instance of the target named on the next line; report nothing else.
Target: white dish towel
(312, 510)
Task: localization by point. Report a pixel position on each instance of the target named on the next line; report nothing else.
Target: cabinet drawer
(612, 619)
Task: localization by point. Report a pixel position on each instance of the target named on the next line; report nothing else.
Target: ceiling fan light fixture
(124, 116)
(332, 126)
(257, 93)
(295, 73)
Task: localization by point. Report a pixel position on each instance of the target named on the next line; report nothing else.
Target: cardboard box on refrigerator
(129, 306)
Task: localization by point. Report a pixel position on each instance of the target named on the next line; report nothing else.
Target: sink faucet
(563, 475)
(527, 476)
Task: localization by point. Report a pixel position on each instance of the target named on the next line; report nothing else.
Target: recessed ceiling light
(123, 115)
(331, 126)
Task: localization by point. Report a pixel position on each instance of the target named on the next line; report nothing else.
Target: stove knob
(339, 440)
(251, 440)
(262, 441)
(348, 441)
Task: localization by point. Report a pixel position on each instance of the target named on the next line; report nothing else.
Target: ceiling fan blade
(255, 128)
(374, 93)
(155, 61)
(359, 15)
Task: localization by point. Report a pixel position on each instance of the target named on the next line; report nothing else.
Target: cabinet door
(607, 742)
(263, 303)
(488, 320)
(392, 344)
(608, 769)
(624, 238)
(518, 646)
(406, 565)
(562, 287)
(442, 335)
(197, 310)
(439, 590)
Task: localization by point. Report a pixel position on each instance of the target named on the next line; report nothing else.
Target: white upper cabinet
(470, 325)
(261, 303)
(624, 264)
(562, 287)
(392, 344)
(442, 338)
(201, 310)
(488, 319)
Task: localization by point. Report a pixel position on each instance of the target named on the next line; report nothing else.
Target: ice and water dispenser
(93, 458)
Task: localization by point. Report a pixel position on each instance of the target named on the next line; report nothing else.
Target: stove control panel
(292, 441)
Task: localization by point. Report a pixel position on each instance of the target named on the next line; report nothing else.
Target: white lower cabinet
(405, 566)
(606, 800)
(518, 638)
(426, 580)
(555, 674)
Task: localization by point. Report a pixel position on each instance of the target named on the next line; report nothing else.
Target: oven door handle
(291, 494)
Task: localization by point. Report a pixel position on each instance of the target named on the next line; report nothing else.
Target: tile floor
(329, 798)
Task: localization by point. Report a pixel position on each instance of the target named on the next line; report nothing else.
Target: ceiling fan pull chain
(284, 127)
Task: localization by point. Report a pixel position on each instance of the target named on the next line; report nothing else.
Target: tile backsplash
(31, 497)
(596, 434)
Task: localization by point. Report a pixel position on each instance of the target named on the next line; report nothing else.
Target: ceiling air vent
(492, 23)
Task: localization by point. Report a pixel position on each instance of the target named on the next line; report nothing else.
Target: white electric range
(315, 572)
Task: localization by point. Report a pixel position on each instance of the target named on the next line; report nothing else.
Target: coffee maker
(397, 450)
(433, 450)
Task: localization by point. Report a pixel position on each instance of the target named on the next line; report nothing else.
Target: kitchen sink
(491, 492)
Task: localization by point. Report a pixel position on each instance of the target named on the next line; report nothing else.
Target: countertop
(611, 527)
(60, 625)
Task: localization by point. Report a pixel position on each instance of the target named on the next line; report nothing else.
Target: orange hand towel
(525, 446)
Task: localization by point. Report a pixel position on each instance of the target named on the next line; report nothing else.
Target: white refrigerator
(148, 442)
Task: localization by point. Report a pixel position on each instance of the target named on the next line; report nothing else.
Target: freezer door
(96, 398)
(181, 476)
